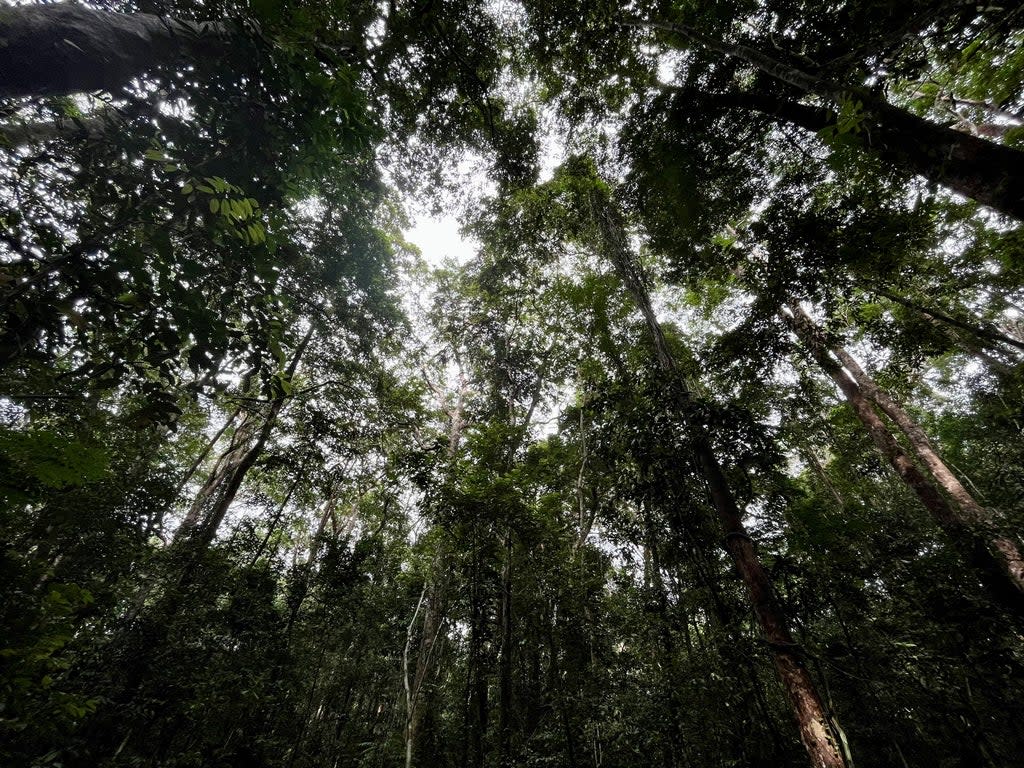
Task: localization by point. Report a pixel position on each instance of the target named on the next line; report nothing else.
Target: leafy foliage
(276, 492)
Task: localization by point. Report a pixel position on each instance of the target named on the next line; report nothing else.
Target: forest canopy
(710, 454)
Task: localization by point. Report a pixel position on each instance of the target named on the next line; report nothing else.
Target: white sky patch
(440, 238)
(668, 62)
(553, 149)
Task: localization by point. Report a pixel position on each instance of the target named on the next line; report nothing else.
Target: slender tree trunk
(556, 688)
(457, 417)
(997, 558)
(276, 519)
(808, 708)
(407, 682)
(212, 504)
(206, 451)
(433, 617)
(426, 662)
(807, 454)
(505, 657)
(477, 711)
(223, 470)
(972, 513)
(673, 745)
(988, 334)
(66, 47)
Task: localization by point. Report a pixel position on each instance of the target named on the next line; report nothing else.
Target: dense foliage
(711, 455)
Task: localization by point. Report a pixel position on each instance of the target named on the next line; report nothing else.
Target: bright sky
(439, 238)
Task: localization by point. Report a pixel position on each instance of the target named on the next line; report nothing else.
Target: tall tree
(971, 527)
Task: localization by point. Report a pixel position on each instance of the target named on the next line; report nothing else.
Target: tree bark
(991, 173)
(997, 558)
(433, 617)
(206, 451)
(476, 716)
(407, 682)
(48, 50)
(215, 498)
(973, 514)
(987, 333)
(673, 747)
(808, 707)
(505, 657)
(86, 128)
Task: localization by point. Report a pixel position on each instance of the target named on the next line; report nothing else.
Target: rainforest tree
(710, 454)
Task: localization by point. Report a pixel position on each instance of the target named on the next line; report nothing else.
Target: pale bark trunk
(426, 662)
(213, 501)
(407, 683)
(807, 454)
(997, 559)
(206, 451)
(808, 707)
(505, 657)
(327, 513)
(222, 471)
(433, 617)
(973, 514)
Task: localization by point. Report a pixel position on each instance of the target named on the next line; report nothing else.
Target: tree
(275, 492)
(994, 554)
(67, 48)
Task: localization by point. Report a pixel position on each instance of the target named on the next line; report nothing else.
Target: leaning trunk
(808, 707)
(971, 512)
(986, 333)
(996, 558)
(992, 174)
(48, 50)
(216, 497)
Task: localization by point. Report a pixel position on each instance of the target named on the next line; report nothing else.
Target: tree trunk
(48, 50)
(988, 334)
(973, 514)
(997, 558)
(808, 708)
(505, 658)
(556, 687)
(673, 747)
(214, 500)
(991, 173)
(806, 452)
(86, 128)
(198, 462)
(407, 682)
(476, 716)
(433, 617)
(223, 470)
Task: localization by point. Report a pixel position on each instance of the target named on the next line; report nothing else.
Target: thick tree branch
(48, 50)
